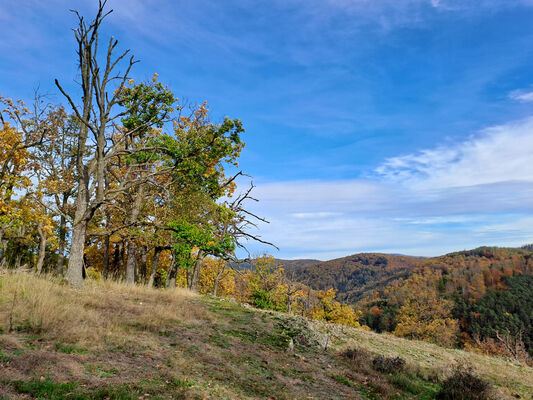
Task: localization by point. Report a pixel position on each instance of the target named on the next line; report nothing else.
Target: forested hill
(480, 299)
(286, 264)
(356, 275)
(359, 275)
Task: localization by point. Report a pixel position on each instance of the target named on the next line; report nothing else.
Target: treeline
(122, 179)
(266, 285)
(479, 299)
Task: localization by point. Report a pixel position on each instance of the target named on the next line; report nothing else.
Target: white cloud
(520, 95)
(497, 154)
(476, 192)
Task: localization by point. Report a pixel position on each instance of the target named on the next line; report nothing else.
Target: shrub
(463, 384)
(357, 356)
(262, 299)
(388, 365)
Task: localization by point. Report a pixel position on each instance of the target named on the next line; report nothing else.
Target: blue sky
(400, 126)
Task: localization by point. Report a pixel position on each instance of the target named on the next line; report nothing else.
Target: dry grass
(510, 377)
(101, 311)
(206, 348)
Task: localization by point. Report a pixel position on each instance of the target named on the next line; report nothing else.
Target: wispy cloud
(498, 154)
(521, 95)
(466, 194)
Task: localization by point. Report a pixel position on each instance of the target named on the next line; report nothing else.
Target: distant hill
(289, 264)
(359, 275)
(478, 298)
(356, 275)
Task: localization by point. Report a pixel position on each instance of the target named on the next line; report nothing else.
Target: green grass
(100, 371)
(47, 389)
(344, 380)
(50, 390)
(69, 348)
(4, 357)
(414, 385)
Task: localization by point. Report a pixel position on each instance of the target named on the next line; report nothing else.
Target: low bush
(388, 365)
(463, 384)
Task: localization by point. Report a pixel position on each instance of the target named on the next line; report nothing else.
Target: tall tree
(105, 101)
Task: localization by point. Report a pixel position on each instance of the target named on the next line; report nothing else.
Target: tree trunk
(143, 265)
(42, 247)
(194, 273)
(116, 260)
(79, 227)
(131, 262)
(215, 286)
(75, 263)
(132, 246)
(62, 235)
(18, 259)
(2, 247)
(155, 263)
(106, 256)
(61, 245)
(122, 260)
(172, 273)
(218, 276)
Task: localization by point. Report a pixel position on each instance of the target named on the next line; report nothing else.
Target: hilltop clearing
(128, 342)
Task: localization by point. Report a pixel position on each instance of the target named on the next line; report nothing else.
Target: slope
(126, 342)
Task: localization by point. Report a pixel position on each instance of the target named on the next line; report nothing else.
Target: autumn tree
(424, 315)
(101, 142)
(20, 132)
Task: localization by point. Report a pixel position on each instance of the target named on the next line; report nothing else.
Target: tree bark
(143, 265)
(116, 260)
(131, 262)
(79, 229)
(172, 273)
(2, 247)
(193, 275)
(42, 248)
(132, 245)
(106, 256)
(155, 263)
(218, 276)
(61, 245)
(215, 286)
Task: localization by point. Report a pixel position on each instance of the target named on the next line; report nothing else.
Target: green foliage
(262, 299)
(191, 237)
(147, 105)
(508, 312)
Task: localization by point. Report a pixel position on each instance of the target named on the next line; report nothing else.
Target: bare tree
(102, 142)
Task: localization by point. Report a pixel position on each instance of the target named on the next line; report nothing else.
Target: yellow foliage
(213, 270)
(332, 311)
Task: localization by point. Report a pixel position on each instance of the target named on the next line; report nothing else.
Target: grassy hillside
(116, 342)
